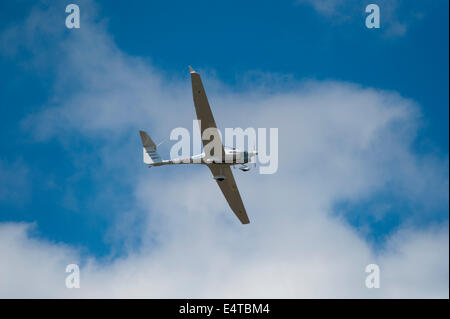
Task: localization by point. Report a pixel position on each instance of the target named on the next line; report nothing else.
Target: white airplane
(219, 164)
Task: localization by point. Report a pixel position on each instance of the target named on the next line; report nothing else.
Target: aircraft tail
(151, 157)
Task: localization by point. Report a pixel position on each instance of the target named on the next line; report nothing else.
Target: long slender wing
(230, 190)
(203, 110)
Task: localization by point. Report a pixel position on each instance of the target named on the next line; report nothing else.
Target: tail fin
(151, 157)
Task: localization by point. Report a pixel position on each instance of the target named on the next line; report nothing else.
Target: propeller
(255, 153)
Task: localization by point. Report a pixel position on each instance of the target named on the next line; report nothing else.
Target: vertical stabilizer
(151, 157)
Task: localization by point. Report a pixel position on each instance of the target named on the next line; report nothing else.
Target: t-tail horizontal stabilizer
(151, 157)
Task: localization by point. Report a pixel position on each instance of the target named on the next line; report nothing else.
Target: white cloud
(30, 268)
(395, 19)
(320, 258)
(338, 141)
(325, 7)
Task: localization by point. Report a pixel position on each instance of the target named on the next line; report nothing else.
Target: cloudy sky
(362, 116)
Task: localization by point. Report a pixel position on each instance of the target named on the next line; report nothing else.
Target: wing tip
(244, 219)
(191, 69)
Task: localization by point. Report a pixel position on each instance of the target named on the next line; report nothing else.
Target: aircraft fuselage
(232, 156)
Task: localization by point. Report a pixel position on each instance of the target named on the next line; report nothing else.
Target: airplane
(219, 164)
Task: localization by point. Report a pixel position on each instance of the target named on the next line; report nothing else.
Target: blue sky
(62, 181)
